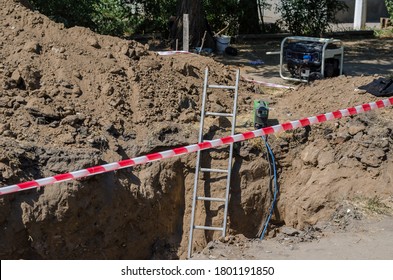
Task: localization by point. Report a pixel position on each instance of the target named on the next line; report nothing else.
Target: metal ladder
(198, 167)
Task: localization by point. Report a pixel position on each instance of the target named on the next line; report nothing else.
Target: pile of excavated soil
(71, 99)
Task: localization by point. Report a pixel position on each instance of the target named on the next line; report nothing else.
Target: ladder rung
(218, 114)
(211, 198)
(208, 228)
(223, 87)
(214, 170)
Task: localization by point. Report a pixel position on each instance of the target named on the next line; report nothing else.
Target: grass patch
(373, 205)
(257, 143)
(383, 33)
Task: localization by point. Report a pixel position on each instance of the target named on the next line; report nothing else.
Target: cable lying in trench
(272, 167)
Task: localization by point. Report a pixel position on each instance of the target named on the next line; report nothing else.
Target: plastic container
(222, 42)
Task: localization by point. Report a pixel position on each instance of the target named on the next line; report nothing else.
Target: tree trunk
(261, 14)
(197, 24)
(249, 19)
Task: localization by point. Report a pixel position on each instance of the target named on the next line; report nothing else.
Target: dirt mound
(71, 99)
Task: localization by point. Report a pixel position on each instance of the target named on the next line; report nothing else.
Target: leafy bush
(156, 14)
(221, 13)
(389, 6)
(126, 17)
(309, 17)
(69, 12)
(114, 17)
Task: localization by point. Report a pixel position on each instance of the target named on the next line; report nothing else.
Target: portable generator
(308, 58)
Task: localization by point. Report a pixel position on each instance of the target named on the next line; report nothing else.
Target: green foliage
(375, 205)
(389, 6)
(309, 17)
(125, 17)
(69, 12)
(113, 17)
(222, 13)
(383, 33)
(156, 15)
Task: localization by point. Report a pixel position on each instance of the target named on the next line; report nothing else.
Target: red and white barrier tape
(266, 84)
(195, 147)
(173, 52)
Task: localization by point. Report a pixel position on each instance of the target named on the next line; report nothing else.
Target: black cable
(272, 165)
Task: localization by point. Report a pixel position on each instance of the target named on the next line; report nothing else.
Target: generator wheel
(331, 68)
(315, 76)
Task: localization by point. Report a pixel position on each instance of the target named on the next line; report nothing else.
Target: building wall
(375, 10)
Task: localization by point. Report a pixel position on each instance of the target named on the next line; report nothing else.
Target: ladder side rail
(224, 227)
(200, 139)
(204, 95)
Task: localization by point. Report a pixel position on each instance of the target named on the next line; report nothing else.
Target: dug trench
(72, 99)
(144, 213)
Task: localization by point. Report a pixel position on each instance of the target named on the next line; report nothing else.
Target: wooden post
(185, 33)
(360, 14)
(385, 22)
(203, 41)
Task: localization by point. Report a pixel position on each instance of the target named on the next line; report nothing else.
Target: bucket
(222, 43)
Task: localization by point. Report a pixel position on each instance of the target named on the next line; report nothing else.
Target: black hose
(272, 164)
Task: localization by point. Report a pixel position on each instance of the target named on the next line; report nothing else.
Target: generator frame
(326, 53)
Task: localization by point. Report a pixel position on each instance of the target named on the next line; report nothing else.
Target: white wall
(375, 10)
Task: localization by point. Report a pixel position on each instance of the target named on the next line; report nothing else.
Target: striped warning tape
(173, 52)
(195, 147)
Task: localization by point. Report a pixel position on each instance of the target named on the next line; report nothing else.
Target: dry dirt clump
(71, 99)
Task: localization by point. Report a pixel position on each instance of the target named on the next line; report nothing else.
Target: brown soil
(368, 239)
(71, 99)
